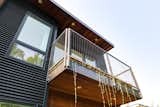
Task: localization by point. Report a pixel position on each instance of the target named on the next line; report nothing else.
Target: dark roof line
(80, 21)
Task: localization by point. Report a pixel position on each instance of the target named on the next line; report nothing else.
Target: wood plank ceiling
(64, 20)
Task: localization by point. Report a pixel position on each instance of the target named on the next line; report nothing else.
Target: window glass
(91, 61)
(5, 104)
(32, 40)
(34, 33)
(26, 54)
(76, 55)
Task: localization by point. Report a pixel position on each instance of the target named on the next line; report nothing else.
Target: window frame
(16, 41)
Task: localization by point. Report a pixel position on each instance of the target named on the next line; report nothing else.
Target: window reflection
(6, 104)
(28, 55)
(34, 33)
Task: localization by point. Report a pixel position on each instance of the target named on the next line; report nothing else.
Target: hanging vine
(114, 91)
(75, 88)
(128, 95)
(102, 89)
(134, 94)
(75, 84)
(110, 93)
(122, 94)
(106, 91)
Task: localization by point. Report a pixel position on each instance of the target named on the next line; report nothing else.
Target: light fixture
(79, 87)
(73, 24)
(40, 1)
(96, 39)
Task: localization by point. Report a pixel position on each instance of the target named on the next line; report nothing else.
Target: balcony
(82, 69)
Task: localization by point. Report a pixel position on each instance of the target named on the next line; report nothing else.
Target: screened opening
(32, 40)
(58, 50)
(85, 51)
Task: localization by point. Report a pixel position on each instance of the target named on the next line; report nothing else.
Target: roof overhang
(65, 19)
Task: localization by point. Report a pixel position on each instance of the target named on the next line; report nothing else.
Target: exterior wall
(59, 99)
(19, 81)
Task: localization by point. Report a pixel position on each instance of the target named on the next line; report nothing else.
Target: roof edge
(80, 21)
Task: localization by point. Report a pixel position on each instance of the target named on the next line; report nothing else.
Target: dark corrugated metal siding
(19, 82)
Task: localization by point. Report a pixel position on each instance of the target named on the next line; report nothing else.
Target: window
(5, 104)
(34, 33)
(32, 40)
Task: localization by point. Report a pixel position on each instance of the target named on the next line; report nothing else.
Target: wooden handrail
(97, 70)
(53, 67)
(94, 69)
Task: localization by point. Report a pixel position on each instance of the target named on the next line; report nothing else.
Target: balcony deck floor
(90, 89)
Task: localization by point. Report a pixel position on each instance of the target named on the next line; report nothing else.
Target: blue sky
(133, 26)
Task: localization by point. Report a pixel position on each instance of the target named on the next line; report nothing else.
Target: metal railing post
(67, 46)
(109, 64)
(136, 83)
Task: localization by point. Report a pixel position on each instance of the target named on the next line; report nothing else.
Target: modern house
(49, 58)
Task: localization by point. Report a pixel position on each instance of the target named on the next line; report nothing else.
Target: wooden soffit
(65, 19)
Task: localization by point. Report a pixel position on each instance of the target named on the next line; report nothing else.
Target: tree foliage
(16, 52)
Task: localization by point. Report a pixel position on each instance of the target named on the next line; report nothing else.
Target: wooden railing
(99, 71)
